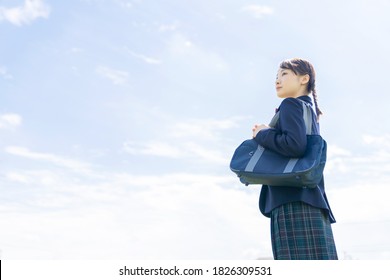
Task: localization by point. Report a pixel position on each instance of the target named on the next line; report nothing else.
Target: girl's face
(288, 84)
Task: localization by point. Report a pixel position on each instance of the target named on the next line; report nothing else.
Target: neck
(300, 93)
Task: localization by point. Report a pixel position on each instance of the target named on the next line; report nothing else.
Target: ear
(305, 79)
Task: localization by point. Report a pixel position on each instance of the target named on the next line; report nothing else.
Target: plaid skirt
(300, 231)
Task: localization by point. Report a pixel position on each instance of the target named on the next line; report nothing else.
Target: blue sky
(118, 119)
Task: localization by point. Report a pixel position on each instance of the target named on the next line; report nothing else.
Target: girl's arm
(289, 136)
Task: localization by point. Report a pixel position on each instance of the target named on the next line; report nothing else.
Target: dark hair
(302, 67)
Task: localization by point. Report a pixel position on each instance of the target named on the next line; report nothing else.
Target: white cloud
(154, 148)
(168, 27)
(148, 215)
(359, 208)
(130, 217)
(30, 11)
(128, 4)
(205, 129)
(76, 50)
(336, 151)
(182, 150)
(38, 177)
(10, 121)
(117, 77)
(372, 160)
(258, 11)
(146, 59)
(193, 139)
(125, 3)
(4, 73)
(364, 199)
(74, 165)
(184, 50)
(377, 141)
(14, 176)
(208, 154)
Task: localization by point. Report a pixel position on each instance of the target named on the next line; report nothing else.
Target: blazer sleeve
(289, 135)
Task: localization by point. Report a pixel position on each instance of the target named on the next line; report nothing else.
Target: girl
(300, 217)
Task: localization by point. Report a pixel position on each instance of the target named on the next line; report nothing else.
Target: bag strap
(307, 117)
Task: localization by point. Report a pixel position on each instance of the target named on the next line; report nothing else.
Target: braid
(318, 111)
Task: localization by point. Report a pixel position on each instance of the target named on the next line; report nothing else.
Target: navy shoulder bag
(254, 164)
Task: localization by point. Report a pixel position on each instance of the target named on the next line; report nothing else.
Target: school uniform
(300, 217)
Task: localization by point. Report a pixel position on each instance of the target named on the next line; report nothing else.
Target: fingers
(257, 128)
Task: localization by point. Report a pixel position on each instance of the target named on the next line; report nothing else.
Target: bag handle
(307, 118)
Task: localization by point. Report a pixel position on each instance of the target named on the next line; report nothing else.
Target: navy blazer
(288, 138)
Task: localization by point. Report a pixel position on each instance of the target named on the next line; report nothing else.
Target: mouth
(277, 88)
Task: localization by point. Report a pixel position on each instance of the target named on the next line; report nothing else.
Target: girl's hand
(257, 128)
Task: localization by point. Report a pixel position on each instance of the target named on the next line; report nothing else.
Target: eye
(284, 73)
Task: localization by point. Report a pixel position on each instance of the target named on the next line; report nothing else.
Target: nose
(277, 82)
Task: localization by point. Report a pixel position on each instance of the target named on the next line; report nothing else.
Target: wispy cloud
(373, 160)
(146, 59)
(208, 154)
(117, 77)
(25, 14)
(4, 73)
(76, 50)
(377, 141)
(153, 148)
(186, 51)
(192, 139)
(165, 201)
(204, 129)
(79, 210)
(258, 11)
(74, 165)
(168, 27)
(10, 120)
(181, 150)
(128, 4)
